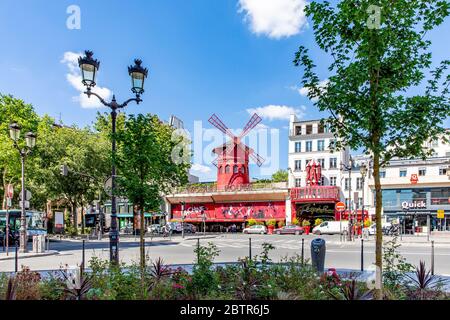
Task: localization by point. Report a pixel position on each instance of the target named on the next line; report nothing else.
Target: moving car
(331, 227)
(256, 229)
(293, 229)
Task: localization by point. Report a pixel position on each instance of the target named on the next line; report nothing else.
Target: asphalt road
(346, 255)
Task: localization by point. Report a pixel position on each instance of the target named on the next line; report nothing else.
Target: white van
(331, 227)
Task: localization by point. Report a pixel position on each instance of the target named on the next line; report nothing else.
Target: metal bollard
(362, 254)
(198, 250)
(83, 255)
(250, 248)
(432, 257)
(16, 258)
(318, 249)
(303, 251)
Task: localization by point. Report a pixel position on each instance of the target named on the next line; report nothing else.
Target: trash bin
(39, 243)
(318, 254)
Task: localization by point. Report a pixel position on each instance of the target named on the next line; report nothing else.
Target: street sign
(8, 202)
(414, 179)
(440, 214)
(28, 195)
(9, 191)
(108, 186)
(340, 206)
(27, 204)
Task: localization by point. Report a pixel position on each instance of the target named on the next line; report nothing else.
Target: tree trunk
(142, 245)
(379, 234)
(75, 218)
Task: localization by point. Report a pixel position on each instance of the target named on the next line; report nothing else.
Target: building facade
(414, 190)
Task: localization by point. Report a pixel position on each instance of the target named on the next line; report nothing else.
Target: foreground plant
(423, 285)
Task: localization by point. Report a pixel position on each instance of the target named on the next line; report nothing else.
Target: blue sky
(204, 57)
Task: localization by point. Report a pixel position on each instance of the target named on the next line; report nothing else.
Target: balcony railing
(329, 193)
(244, 187)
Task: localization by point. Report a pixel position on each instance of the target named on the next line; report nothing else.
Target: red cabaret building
(234, 200)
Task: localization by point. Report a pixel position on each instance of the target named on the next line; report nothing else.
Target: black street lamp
(363, 172)
(89, 68)
(349, 169)
(30, 140)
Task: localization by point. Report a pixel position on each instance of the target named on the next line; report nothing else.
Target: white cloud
(277, 112)
(70, 59)
(200, 169)
(304, 91)
(274, 18)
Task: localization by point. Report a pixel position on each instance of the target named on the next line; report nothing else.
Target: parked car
(154, 228)
(256, 229)
(176, 227)
(384, 226)
(293, 229)
(190, 228)
(331, 227)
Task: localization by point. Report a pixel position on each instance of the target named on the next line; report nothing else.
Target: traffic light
(64, 170)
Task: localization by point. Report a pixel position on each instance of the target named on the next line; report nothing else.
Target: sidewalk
(11, 255)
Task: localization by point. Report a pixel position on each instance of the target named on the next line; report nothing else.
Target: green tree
(13, 110)
(146, 166)
(280, 176)
(85, 152)
(379, 52)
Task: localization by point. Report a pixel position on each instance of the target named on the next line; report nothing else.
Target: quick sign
(414, 205)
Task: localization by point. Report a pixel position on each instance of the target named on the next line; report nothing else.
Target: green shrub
(204, 278)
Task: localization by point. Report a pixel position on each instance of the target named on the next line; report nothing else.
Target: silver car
(256, 229)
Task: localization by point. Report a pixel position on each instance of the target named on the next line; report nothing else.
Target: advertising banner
(59, 222)
(223, 212)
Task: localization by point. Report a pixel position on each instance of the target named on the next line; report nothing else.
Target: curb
(12, 257)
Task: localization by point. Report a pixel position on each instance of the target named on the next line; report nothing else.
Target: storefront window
(389, 198)
(440, 196)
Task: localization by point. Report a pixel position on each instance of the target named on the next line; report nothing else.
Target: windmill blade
(216, 122)
(253, 122)
(216, 162)
(257, 158)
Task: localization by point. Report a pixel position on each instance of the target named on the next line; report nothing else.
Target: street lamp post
(89, 68)
(30, 139)
(363, 171)
(349, 169)
(182, 218)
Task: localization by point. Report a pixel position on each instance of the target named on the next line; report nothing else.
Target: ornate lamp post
(89, 68)
(363, 171)
(30, 139)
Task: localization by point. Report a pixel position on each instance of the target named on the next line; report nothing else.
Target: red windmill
(233, 156)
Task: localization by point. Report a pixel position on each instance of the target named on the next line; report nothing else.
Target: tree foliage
(280, 176)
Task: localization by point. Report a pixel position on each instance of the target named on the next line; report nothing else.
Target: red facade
(231, 212)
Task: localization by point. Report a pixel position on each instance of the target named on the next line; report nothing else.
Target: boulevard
(176, 250)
